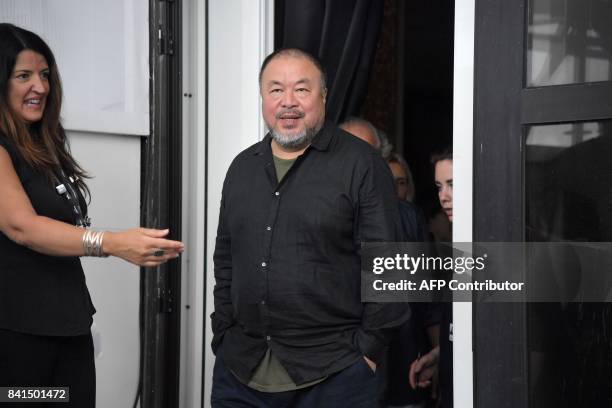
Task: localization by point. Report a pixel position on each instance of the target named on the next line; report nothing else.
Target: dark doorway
(410, 96)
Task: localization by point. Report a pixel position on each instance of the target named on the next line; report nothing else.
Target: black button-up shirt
(287, 258)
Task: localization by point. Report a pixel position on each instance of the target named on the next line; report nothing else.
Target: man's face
(293, 101)
(401, 180)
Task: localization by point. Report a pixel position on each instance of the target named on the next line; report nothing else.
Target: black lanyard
(67, 189)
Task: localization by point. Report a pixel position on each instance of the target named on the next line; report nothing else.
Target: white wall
(102, 51)
(114, 161)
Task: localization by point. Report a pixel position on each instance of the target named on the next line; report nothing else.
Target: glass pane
(569, 41)
(568, 197)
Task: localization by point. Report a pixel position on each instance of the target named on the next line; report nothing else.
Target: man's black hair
(295, 52)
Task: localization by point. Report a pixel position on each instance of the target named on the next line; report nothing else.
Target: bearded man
(289, 326)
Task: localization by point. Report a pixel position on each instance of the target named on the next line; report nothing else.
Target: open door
(542, 148)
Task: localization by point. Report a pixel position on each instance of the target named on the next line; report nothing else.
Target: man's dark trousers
(355, 386)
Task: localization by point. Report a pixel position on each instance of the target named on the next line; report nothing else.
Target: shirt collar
(323, 138)
(263, 146)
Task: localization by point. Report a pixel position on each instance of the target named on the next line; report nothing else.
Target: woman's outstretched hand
(142, 246)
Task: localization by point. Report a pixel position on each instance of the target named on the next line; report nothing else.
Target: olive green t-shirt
(271, 376)
(282, 166)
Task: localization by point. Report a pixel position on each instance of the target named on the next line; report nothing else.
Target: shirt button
(263, 302)
(268, 228)
(277, 193)
(268, 338)
(264, 264)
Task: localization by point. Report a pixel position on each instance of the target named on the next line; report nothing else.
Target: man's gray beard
(294, 142)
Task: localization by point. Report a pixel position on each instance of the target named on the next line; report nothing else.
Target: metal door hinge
(165, 42)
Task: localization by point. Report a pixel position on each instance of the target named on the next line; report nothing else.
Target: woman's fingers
(158, 242)
(153, 261)
(168, 245)
(163, 255)
(162, 250)
(154, 233)
(145, 246)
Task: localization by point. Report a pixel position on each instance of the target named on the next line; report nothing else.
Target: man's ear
(324, 95)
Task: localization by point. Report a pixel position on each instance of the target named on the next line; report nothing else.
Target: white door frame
(463, 146)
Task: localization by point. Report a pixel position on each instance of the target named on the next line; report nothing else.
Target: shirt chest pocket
(316, 214)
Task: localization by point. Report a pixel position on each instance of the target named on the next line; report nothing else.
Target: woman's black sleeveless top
(41, 294)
